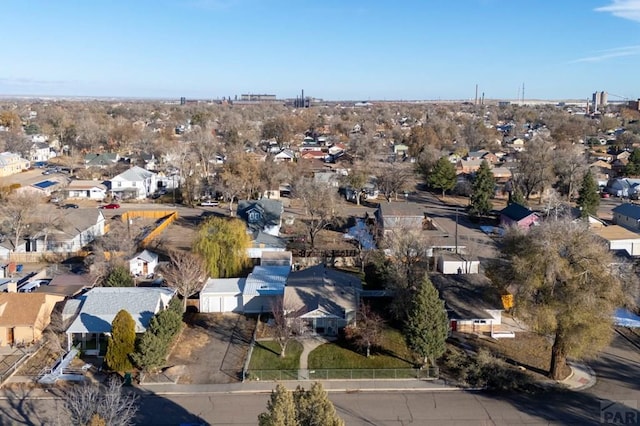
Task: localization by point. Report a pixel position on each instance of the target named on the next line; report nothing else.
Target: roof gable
(101, 305)
(134, 174)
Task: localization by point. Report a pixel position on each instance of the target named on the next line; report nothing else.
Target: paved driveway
(213, 348)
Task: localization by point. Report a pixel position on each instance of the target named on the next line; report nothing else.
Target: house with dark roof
(518, 215)
(400, 216)
(262, 215)
(472, 304)
(627, 215)
(323, 299)
(101, 160)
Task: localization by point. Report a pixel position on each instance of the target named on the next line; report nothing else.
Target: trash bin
(127, 379)
(19, 268)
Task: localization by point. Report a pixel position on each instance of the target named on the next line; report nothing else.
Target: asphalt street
(617, 369)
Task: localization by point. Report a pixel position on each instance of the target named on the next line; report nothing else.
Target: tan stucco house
(24, 316)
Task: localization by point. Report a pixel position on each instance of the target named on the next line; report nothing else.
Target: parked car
(110, 206)
(69, 206)
(209, 203)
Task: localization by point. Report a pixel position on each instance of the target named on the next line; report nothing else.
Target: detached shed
(143, 263)
(222, 295)
(456, 264)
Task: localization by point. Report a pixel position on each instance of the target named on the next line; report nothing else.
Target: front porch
(92, 344)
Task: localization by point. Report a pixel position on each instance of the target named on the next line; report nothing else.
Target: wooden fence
(161, 225)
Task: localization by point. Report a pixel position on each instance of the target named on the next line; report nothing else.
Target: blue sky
(334, 49)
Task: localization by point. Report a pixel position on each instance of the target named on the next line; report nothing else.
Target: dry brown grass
(529, 350)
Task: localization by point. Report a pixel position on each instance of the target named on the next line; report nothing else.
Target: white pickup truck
(209, 203)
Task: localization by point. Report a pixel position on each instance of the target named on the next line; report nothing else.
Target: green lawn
(393, 354)
(266, 356)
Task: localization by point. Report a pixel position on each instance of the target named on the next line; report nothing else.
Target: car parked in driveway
(69, 206)
(209, 203)
(110, 206)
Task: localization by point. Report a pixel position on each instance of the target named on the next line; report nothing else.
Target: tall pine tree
(121, 343)
(427, 326)
(442, 176)
(588, 196)
(482, 190)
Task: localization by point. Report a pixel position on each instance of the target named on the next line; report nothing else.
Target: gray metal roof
(266, 280)
(100, 306)
(223, 285)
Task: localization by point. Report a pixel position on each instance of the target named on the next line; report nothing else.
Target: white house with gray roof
(136, 183)
(97, 308)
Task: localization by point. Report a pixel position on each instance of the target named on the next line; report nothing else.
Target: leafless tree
(366, 331)
(571, 165)
(185, 273)
(285, 324)
(18, 213)
(88, 403)
(392, 180)
(535, 171)
(408, 250)
(319, 201)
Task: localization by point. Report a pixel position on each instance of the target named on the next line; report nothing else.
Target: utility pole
(456, 230)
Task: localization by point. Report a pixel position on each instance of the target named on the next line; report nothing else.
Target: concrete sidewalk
(329, 385)
(582, 377)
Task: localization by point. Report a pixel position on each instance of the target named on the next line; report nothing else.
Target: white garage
(619, 238)
(455, 264)
(222, 295)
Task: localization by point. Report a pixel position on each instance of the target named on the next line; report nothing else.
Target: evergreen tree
(588, 196)
(482, 190)
(151, 352)
(633, 166)
(281, 410)
(176, 306)
(223, 245)
(427, 325)
(442, 176)
(314, 407)
(122, 342)
(166, 325)
(119, 277)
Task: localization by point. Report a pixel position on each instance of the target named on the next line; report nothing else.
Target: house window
(133, 183)
(254, 216)
(479, 321)
(119, 184)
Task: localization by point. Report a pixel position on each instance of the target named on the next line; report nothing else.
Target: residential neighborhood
(310, 252)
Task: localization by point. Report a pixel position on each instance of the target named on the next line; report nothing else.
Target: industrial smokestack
(476, 101)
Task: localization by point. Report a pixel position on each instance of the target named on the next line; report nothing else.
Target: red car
(110, 206)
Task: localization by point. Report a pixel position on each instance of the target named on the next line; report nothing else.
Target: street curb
(268, 391)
